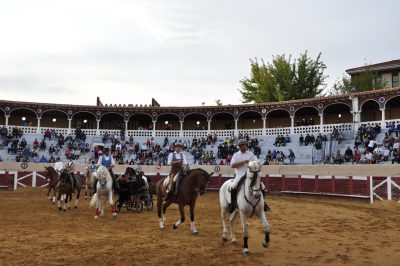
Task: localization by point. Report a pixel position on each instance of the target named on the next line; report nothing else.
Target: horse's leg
(224, 230)
(98, 206)
(243, 218)
(69, 198)
(86, 189)
(159, 211)
(110, 200)
(65, 201)
(164, 210)
(182, 212)
(266, 228)
(48, 193)
(231, 223)
(58, 202)
(54, 195)
(192, 226)
(77, 198)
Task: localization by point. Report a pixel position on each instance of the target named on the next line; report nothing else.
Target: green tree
(218, 102)
(283, 79)
(365, 81)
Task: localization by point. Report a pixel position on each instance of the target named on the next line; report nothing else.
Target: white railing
(223, 133)
(140, 133)
(110, 131)
(307, 129)
(88, 132)
(195, 133)
(251, 132)
(63, 131)
(277, 131)
(341, 127)
(25, 130)
(168, 133)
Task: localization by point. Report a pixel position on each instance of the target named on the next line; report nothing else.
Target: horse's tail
(93, 201)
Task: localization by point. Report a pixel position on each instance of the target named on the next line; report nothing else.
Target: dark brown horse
(151, 186)
(193, 183)
(65, 191)
(52, 177)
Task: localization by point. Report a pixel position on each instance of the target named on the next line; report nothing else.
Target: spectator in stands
(43, 159)
(338, 158)
(35, 144)
(318, 151)
(301, 140)
(348, 154)
(368, 157)
(357, 156)
(287, 139)
(291, 157)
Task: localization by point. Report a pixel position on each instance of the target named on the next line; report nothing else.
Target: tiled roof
(378, 66)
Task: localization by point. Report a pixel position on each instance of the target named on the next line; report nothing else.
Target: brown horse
(151, 187)
(65, 191)
(193, 183)
(52, 177)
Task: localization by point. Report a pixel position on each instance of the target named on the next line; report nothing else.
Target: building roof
(389, 65)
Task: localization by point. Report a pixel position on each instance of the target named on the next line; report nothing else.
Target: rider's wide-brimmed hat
(178, 145)
(242, 141)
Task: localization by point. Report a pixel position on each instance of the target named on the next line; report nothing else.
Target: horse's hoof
(53, 203)
(65, 210)
(195, 233)
(174, 227)
(96, 217)
(224, 239)
(69, 208)
(234, 242)
(85, 198)
(265, 244)
(246, 252)
(75, 207)
(114, 215)
(59, 208)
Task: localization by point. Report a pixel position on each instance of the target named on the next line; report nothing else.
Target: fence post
(316, 184)
(371, 189)
(15, 180)
(34, 179)
(299, 183)
(350, 185)
(389, 187)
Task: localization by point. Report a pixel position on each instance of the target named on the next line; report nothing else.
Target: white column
(181, 129)
(383, 123)
(208, 126)
(154, 129)
(126, 130)
(38, 126)
(321, 122)
(292, 124)
(69, 126)
(7, 116)
(236, 128)
(98, 128)
(264, 131)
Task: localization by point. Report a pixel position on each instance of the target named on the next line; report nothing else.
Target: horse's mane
(103, 173)
(50, 168)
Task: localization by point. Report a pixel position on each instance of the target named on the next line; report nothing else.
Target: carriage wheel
(117, 206)
(129, 205)
(139, 206)
(149, 204)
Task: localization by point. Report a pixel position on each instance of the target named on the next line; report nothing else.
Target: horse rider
(58, 166)
(178, 163)
(93, 166)
(70, 168)
(238, 162)
(107, 161)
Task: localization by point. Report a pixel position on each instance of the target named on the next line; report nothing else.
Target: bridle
(255, 173)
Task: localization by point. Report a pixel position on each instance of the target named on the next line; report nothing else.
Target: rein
(255, 173)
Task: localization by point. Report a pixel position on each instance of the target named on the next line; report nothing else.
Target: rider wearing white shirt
(178, 162)
(239, 161)
(58, 166)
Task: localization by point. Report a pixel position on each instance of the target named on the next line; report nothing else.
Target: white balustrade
(110, 131)
(88, 132)
(307, 129)
(251, 132)
(195, 133)
(223, 133)
(140, 133)
(167, 133)
(341, 127)
(25, 130)
(277, 131)
(63, 131)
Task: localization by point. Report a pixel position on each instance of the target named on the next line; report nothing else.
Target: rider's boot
(178, 179)
(232, 207)
(266, 207)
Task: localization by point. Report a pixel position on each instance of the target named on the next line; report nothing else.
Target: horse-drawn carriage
(133, 194)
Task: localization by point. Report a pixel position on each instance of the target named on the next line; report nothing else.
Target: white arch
(21, 108)
(307, 106)
(395, 96)
(361, 106)
(250, 111)
(140, 113)
(55, 110)
(205, 116)
(223, 112)
(123, 118)
(323, 110)
(278, 109)
(83, 112)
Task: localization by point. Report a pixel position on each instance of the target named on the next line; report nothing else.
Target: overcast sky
(179, 52)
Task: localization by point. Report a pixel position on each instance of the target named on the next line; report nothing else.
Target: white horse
(249, 200)
(104, 188)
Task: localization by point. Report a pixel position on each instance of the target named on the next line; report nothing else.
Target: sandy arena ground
(304, 231)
